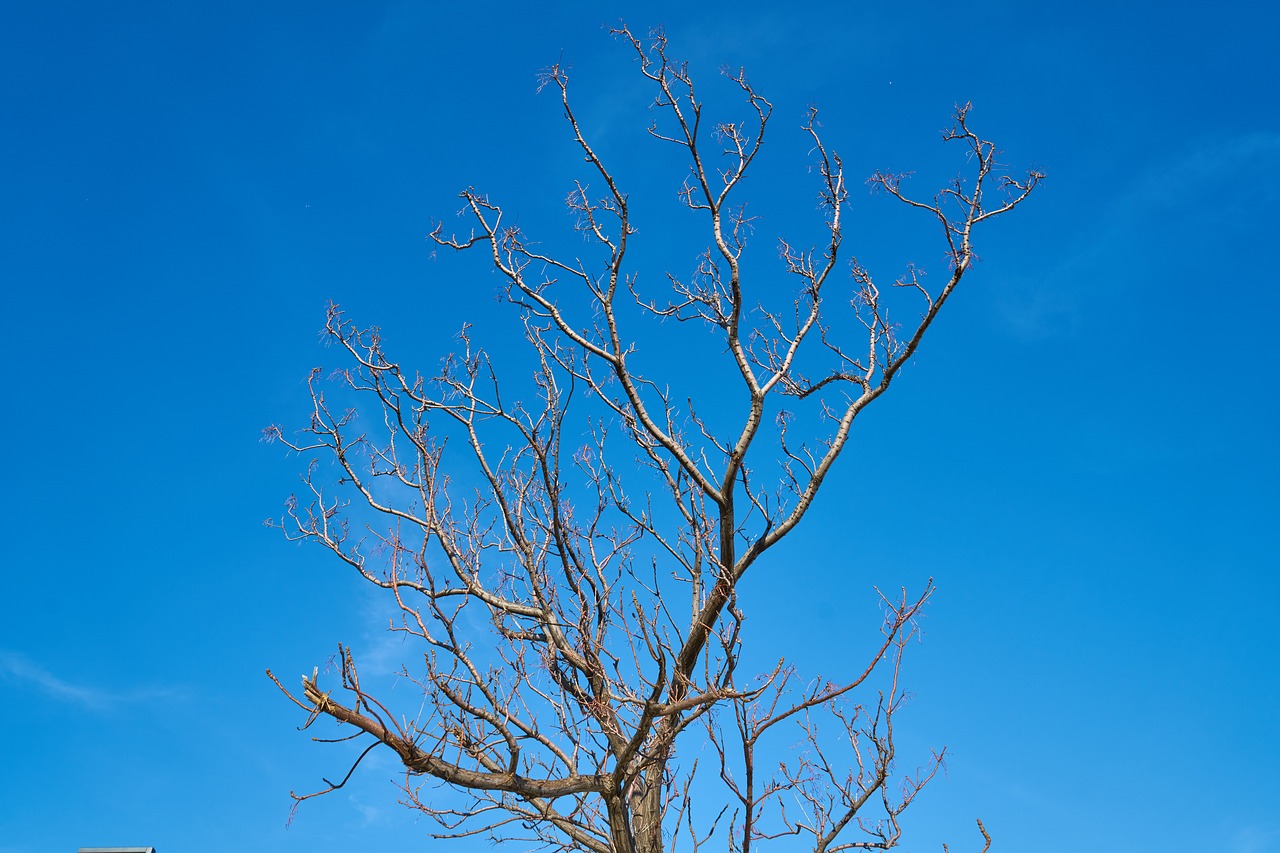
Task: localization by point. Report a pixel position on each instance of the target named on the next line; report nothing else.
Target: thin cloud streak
(15, 667)
(1178, 189)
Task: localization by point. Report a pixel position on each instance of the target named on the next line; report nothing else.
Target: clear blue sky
(1084, 455)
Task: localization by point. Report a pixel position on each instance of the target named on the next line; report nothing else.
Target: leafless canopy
(569, 559)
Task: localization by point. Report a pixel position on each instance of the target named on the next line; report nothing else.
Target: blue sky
(1083, 457)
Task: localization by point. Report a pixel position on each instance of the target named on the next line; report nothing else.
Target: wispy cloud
(22, 670)
(1202, 177)
(1255, 838)
(384, 651)
(1139, 231)
(368, 814)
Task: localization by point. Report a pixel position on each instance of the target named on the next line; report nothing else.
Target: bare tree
(570, 558)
